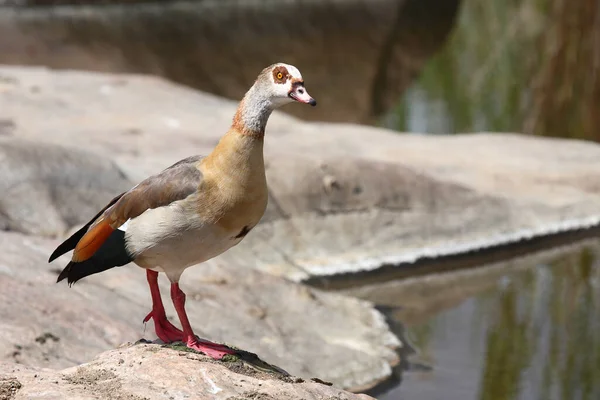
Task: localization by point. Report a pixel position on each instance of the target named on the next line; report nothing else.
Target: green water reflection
(536, 335)
(478, 80)
(502, 68)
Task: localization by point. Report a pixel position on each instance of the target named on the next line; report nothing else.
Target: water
(526, 330)
(503, 68)
(480, 80)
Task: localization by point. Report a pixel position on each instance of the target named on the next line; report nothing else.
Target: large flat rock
(343, 198)
(149, 372)
(303, 330)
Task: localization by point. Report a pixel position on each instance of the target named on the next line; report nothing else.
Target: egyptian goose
(191, 212)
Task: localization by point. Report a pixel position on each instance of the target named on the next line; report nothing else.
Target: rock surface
(305, 331)
(42, 190)
(143, 371)
(343, 198)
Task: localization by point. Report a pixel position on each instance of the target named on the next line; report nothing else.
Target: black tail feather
(71, 242)
(112, 254)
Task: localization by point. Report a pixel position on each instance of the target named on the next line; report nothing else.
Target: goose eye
(279, 75)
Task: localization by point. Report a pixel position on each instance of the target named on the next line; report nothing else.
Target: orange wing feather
(92, 241)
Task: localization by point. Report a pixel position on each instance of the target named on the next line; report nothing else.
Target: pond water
(494, 74)
(480, 80)
(531, 331)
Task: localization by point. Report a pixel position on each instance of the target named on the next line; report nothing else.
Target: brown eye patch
(281, 74)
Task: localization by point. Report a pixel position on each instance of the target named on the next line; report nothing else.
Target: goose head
(283, 84)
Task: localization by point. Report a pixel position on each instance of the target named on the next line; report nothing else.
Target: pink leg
(165, 330)
(214, 350)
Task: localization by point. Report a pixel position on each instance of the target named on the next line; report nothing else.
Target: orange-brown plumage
(92, 241)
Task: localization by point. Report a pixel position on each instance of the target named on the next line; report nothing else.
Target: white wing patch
(124, 226)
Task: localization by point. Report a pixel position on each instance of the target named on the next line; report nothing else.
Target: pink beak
(300, 94)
